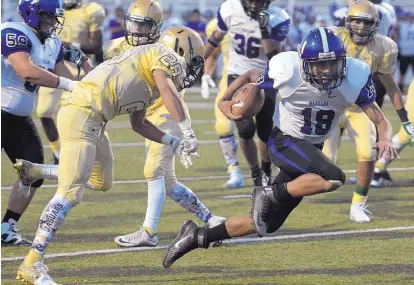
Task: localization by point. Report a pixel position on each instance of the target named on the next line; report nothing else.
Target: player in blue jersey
(315, 85)
(31, 56)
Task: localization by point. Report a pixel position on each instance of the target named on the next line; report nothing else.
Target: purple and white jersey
(18, 96)
(305, 112)
(388, 19)
(246, 50)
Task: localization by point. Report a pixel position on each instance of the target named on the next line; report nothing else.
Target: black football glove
(263, 20)
(75, 55)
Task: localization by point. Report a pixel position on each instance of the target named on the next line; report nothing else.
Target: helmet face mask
(44, 16)
(141, 31)
(188, 45)
(323, 59)
(253, 7)
(362, 22)
(143, 22)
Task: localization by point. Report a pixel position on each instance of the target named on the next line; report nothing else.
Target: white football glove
(206, 83)
(180, 148)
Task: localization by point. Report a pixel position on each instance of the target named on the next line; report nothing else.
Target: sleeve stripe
(220, 23)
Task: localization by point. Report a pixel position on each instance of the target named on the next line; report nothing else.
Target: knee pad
(336, 176)
(37, 183)
(366, 153)
(335, 184)
(246, 128)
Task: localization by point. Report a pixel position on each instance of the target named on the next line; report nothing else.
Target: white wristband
(167, 139)
(76, 45)
(65, 84)
(185, 126)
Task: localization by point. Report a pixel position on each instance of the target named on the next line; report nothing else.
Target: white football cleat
(215, 221)
(236, 179)
(35, 274)
(137, 239)
(358, 213)
(9, 235)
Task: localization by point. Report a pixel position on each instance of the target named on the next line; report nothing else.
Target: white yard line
(137, 181)
(232, 241)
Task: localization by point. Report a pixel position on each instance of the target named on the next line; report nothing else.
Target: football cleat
(35, 274)
(10, 236)
(186, 241)
(236, 180)
(381, 179)
(215, 221)
(263, 204)
(358, 213)
(28, 173)
(260, 178)
(137, 239)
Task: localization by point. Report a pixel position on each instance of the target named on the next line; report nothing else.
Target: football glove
(206, 83)
(178, 146)
(409, 128)
(263, 20)
(74, 55)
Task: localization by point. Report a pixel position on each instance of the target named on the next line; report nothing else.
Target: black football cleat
(263, 205)
(185, 242)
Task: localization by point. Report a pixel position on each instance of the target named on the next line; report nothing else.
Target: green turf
(375, 258)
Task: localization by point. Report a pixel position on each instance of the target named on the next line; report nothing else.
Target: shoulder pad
(95, 9)
(357, 72)
(282, 67)
(385, 44)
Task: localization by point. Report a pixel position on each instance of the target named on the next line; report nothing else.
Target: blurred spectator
(170, 20)
(208, 15)
(197, 24)
(116, 25)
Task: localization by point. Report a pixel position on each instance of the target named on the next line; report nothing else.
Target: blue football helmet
(45, 16)
(323, 59)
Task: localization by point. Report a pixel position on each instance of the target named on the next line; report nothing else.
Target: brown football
(251, 101)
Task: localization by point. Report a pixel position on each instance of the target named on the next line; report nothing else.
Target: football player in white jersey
(255, 32)
(315, 85)
(31, 56)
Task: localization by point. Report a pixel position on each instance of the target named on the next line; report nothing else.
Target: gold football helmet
(143, 22)
(70, 4)
(362, 21)
(188, 44)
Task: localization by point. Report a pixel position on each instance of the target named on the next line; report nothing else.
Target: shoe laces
(134, 235)
(363, 208)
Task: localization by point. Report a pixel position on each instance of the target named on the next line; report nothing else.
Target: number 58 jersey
(125, 83)
(303, 111)
(246, 50)
(18, 96)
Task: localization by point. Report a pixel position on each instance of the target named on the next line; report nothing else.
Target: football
(251, 101)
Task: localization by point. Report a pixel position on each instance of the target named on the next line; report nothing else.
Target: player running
(128, 83)
(316, 85)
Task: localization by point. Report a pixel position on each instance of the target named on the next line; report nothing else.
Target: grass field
(358, 257)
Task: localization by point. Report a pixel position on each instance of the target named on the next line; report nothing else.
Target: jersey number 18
(323, 121)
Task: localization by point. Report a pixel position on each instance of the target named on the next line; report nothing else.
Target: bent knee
(224, 128)
(335, 178)
(246, 128)
(366, 153)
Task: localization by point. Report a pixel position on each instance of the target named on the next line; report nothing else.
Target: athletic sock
(267, 168)
(228, 147)
(11, 215)
(360, 195)
(156, 199)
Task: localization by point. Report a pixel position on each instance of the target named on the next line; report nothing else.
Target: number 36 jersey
(18, 96)
(246, 50)
(303, 111)
(125, 83)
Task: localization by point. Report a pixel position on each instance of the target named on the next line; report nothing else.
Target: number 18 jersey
(303, 111)
(246, 50)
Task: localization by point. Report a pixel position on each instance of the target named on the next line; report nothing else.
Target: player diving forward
(255, 32)
(128, 83)
(159, 165)
(31, 56)
(83, 30)
(316, 85)
(362, 41)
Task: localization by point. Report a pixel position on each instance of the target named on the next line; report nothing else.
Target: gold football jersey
(81, 21)
(380, 54)
(115, 47)
(224, 44)
(125, 83)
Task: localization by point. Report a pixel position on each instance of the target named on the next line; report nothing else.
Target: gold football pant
(224, 127)
(402, 135)
(85, 153)
(160, 160)
(361, 131)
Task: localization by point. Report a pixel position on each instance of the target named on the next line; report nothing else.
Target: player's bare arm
(213, 42)
(169, 95)
(392, 90)
(24, 66)
(227, 101)
(145, 128)
(384, 127)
